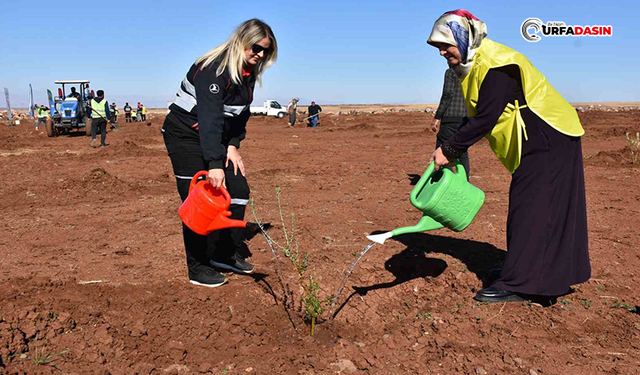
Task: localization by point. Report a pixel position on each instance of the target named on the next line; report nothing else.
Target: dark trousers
(127, 117)
(101, 124)
(42, 120)
(292, 118)
(185, 152)
(449, 127)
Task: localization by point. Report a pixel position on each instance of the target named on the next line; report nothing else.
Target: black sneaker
(234, 263)
(209, 278)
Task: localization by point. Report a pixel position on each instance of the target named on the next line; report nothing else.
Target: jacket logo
(214, 88)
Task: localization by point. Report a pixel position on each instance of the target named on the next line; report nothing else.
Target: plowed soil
(93, 276)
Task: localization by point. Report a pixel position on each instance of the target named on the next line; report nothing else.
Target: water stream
(346, 276)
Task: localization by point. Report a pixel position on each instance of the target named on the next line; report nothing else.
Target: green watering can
(446, 199)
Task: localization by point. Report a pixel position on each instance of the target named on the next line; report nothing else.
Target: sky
(333, 52)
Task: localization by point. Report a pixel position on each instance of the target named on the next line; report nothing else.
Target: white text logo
(531, 27)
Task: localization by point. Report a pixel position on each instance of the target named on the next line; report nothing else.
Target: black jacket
(314, 109)
(216, 108)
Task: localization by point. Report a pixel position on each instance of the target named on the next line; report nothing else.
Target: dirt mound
(100, 177)
(615, 158)
(361, 128)
(613, 131)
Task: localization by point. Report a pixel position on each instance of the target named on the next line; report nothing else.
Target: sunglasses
(256, 48)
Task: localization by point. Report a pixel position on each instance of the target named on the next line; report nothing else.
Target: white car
(269, 108)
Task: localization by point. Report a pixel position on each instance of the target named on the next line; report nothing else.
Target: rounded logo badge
(214, 88)
(534, 23)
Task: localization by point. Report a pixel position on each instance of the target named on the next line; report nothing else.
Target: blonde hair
(231, 53)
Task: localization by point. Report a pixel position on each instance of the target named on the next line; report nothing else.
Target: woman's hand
(435, 125)
(234, 157)
(216, 178)
(439, 159)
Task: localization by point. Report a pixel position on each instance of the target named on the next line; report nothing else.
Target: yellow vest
(98, 107)
(42, 113)
(144, 110)
(542, 99)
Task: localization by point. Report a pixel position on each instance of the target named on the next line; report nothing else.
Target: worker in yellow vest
(43, 115)
(536, 134)
(144, 113)
(114, 109)
(100, 113)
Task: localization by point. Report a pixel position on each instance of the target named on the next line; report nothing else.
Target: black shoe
(234, 263)
(492, 294)
(208, 277)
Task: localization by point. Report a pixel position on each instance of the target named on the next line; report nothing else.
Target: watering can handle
(423, 180)
(223, 190)
(427, 173)
(460, 168)
(195, 179)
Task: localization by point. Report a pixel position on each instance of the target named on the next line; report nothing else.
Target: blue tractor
(70, 110)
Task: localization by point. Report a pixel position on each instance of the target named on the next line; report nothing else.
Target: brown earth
(93, 271)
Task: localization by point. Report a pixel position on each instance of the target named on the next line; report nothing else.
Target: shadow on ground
(414, 262)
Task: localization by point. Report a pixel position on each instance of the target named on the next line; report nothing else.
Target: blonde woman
(203, 131)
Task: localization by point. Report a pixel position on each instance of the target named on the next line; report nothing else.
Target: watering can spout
(446, 199)
(426, 223)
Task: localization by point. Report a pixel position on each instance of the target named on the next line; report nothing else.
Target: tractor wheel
(281, 115)
(49, 128)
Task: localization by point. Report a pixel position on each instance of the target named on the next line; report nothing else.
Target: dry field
(93, 272)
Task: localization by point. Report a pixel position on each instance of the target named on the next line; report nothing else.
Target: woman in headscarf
(535, 133)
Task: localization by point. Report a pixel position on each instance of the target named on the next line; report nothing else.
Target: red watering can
(206, 208)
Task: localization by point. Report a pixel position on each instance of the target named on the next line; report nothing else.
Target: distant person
(203, 131)
(536, 134)
(144, 113)
(114, 109)
(74, 94)
(292, 109)
(87, 93)
(134, 115)
(314, 114)
(139, 110)
(99, 115)
(127, 112)
(450, 114)
(43, 115)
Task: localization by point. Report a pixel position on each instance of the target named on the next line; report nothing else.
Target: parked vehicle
(269, 108)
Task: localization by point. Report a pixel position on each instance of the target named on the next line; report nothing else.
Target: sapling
(635, 146)
(313, 305)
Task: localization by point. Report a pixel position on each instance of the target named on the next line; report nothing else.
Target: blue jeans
(313, 122)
